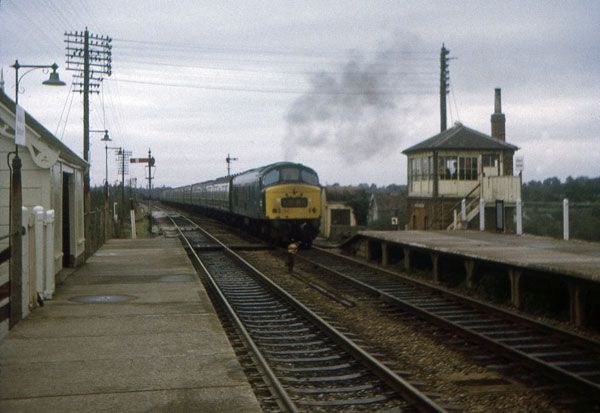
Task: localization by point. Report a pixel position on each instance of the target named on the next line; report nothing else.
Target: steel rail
(271, 377)
(591, 344)
(407, 391)
(578, 382)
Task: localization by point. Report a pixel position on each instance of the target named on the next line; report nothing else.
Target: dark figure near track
(292, 249)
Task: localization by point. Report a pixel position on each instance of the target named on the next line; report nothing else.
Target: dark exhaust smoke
(359, 112)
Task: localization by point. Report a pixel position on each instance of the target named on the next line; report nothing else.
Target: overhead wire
(454, 100)
(154, 45)
(68, 95)
(54, 13)
(118, 120)
(85, 7)
(62, 135)
(257, 90)
(45, 37)
(286, 72)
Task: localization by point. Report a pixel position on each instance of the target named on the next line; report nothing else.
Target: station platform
(573, 266)
(132, 330)
(578, 259)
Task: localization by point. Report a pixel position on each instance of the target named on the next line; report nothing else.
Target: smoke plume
(358, 112)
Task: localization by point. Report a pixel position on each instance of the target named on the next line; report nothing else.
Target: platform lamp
(16, 192)
(105, 139)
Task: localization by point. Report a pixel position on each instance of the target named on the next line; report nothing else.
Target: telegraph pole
(90, 56)
(444, 77)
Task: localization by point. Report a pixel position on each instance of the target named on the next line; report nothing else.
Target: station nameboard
(519, 163)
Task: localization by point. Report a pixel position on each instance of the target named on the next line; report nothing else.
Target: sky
(341, 86)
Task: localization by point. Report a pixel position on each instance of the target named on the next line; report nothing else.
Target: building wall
(326, 220)
(4, 218)
(41, 185)
(430, 214)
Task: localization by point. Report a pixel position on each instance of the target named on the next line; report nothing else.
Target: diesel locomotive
(281, 201)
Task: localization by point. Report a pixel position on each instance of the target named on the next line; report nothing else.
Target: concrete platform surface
(579, 259)
(161, 348)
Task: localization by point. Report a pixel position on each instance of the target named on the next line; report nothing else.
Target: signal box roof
(460, 137)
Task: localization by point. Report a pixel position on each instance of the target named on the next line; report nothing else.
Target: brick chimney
(498, 119)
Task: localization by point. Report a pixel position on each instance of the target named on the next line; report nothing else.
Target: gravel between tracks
(438, 366)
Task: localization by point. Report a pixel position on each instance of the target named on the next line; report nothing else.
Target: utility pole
(444, 78)
(90, 56)
(228, 160)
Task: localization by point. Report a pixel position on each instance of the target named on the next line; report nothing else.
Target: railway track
(566, 358)
(309, 364)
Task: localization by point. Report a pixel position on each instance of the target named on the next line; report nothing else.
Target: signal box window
(467, 168)
(448, 167)
(489, 160)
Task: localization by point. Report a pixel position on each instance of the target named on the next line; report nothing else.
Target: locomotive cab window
(290, 175)
(270, 178)
(309, 177)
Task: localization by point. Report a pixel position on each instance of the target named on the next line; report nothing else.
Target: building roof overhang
(460, 137)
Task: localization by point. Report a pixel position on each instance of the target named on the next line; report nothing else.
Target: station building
(459, 164)
(52, 178)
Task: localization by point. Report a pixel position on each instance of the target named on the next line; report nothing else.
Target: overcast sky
(342, 86)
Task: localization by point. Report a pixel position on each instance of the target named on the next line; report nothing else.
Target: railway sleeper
(308, 360)
(326, 379)
(298, 352)
(326, 390)
(345, 402)
(280, 332)
(317, 369)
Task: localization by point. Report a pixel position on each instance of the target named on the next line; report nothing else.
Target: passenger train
(281, 201)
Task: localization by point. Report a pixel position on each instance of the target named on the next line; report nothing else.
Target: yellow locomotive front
(292, 202)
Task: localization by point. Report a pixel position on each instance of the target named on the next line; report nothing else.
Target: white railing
(38, 262)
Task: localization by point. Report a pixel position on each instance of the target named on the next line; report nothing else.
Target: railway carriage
(281, 201)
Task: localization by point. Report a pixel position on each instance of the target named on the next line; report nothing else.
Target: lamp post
(105, 139)
(16, 194)
(106, 148)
